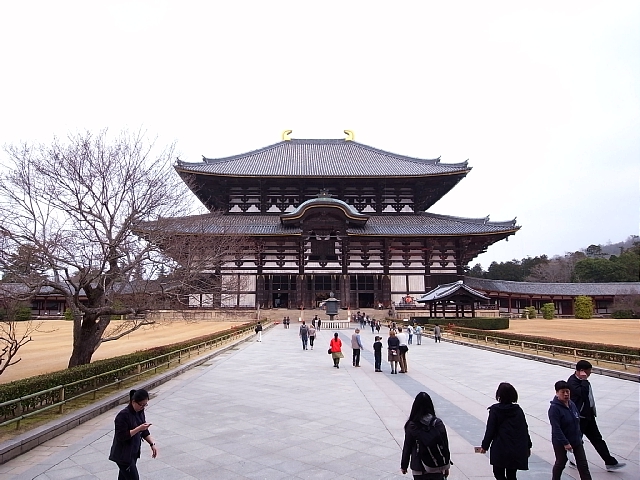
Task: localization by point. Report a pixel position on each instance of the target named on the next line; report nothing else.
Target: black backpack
(432, 450)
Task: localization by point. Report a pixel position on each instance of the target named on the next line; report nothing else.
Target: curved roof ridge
(320, 141)
(320, 200)
(481, 220)
(433, 161)
(250, 153)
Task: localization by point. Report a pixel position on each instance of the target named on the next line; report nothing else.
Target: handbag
(329, 351)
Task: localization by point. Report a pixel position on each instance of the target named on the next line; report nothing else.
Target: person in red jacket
(336, 350)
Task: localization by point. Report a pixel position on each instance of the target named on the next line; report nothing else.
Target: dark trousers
(590, 430)
(378, 360)
(128, 472)
(304, 342)
(561, 461)
(403, 360)
(356, 357)
(502, 473)
(311, 339)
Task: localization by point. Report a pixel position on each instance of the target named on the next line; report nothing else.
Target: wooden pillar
(509, 310)
(345, 291)
(473, 309)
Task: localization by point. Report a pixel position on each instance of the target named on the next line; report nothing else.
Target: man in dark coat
(565, 433)
(582, 396)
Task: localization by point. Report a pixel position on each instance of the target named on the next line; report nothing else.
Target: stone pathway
(273, 411)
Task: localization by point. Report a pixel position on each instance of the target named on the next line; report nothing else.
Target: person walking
(356, 346)
(582, 396)
(410, 334)
(402, 337)
(418, 335)
(319, 323)
(393, 345)
(304, 335)
(312, 335)
(422, 425)
(437, 333)
(378, 325)
(131, 428)
(377, 353)
(372, 323)
(258, 331)
(335, 347)
(507, 435)
(565, 433)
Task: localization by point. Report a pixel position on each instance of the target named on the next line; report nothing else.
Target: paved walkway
(273, 411)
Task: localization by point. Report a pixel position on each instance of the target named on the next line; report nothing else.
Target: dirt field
(51, 346)
(609, 331)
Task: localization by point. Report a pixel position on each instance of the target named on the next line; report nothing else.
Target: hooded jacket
(409, 449)
(507, 437)
(565, 423)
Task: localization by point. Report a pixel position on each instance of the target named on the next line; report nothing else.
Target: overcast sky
(542, 98)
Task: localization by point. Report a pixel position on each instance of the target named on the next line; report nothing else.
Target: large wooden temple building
(337, 216)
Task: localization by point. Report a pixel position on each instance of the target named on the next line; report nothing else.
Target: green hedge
(28, 386)
(490, 323)
(555, 341)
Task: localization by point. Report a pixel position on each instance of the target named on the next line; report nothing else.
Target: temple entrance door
(280, 300)
(365, 300)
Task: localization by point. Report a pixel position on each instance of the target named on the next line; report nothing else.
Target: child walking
(377, 353)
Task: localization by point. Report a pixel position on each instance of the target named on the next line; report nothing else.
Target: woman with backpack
(507, 434)
(426, 446)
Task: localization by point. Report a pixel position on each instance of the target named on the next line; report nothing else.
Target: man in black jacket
(582, 396)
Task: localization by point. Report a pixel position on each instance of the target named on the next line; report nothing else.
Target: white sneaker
(611, 468)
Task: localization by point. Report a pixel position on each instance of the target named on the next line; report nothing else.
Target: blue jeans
(304, 342)
(378, 360)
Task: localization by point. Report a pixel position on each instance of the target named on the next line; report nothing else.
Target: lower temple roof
(416, 224)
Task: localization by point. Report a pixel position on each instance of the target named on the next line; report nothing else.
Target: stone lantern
(331, 307)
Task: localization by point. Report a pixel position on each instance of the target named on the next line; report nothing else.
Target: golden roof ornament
(285, 135)
(350, 136)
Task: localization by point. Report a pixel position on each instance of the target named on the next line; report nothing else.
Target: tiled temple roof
(324, 157)
(555, 289)
(446, 290)
(420, 224)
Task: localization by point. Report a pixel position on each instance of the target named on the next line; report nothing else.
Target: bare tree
(77, 206)
(557, 270)
(15, 327)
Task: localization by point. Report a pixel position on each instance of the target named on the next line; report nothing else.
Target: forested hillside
(619, 262)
